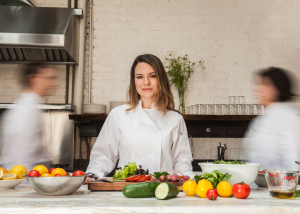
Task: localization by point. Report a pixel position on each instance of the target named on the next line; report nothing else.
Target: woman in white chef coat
(147, 130)
(274, 138)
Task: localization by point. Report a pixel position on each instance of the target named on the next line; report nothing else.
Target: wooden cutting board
(118, 186)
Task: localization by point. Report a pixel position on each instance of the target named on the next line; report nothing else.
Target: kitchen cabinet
(199, 126)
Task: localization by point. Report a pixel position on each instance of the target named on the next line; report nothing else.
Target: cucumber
(166, 190)
(140, 190)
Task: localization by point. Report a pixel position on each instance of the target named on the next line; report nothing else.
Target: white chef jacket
(160, 145)
(22, 134)
(274, 138)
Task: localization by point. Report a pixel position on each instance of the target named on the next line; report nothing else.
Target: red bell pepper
(130, 178)
(145, 178)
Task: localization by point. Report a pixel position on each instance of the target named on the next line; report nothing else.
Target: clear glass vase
(181, 108)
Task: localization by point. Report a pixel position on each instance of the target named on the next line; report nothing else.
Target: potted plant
(179, 70)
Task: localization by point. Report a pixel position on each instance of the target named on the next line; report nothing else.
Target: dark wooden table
(204, 126)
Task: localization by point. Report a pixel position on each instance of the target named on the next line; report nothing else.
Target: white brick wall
(234, 38)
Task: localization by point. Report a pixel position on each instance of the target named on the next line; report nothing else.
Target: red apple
(34, 173)
(78, 173)
(50, 170)
(57, 175)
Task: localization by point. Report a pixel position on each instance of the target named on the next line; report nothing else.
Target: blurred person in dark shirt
(22, 135)
(274, 138)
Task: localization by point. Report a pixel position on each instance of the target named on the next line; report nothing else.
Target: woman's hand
(87, 180)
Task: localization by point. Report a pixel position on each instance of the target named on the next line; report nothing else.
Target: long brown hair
(164, 99)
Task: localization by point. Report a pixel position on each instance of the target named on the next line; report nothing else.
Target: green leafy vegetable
(131, 168)
(158, 174)
(215, 177)
(228, 162)
(297, 193)
(128, 171)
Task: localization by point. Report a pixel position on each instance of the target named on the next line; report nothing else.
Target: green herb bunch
(179, 70)
(215, 177)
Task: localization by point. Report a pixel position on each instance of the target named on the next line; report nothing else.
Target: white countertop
(23, 199)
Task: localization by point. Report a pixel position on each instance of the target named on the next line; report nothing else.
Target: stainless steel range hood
(38, 34)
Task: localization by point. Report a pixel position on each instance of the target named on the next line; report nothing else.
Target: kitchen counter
(23, 199)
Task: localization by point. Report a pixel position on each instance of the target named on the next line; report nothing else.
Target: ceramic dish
(7, 184)
(240, 172)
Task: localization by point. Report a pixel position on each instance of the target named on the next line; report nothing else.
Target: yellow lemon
(19, 170)
(203, 186)
(42, 169)
(3, 170)
(224, 189)
(1, 174)
(9, 176)
(46, 175)
(60, 171)
(189, 187)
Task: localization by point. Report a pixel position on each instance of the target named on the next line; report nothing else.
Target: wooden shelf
(187, 117)
(90, 117)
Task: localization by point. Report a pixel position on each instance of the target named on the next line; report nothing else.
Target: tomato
(203, 187)
(50, 170)
(212, 194)
(34, 173)
(78, 173)
(241, 190)
(67, 174)
(224, 189)
(57, 175)
(261, 172)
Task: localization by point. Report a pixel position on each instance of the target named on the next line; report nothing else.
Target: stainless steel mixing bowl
(261, 180)
(64, 185)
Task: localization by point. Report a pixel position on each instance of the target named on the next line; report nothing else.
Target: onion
(162, 178)
(169, 177)
(174, 178)
(186, 177)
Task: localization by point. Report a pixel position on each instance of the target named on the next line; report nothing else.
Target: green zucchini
(166, 190)
(140, 190)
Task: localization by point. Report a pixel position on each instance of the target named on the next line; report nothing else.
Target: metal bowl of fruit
(56, 185)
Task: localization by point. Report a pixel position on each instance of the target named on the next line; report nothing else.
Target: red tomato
(57, 175)
(261, 172)
(212, 194)
(34, 173)
(241, 190)
(50, 170)
(78, 173)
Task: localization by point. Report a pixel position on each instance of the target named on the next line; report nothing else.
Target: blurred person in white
(22, 136)
(274, 138)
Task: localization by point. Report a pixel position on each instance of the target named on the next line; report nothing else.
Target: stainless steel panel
(16, 3)
(59, 137)
(39, 28)
(42, 106)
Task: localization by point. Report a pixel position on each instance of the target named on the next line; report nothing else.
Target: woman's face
(266, 91)
(146, 82)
